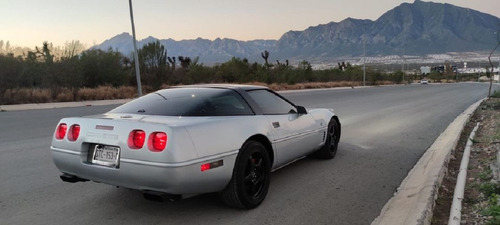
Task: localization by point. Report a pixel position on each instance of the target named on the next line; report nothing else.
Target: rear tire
(329, 150)
(251, 177)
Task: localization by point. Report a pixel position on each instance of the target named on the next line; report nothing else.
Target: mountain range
(416, 29)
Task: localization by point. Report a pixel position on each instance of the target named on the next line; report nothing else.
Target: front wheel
(329, 150)
(251, 177)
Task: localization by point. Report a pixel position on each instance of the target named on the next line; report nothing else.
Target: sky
(28, 23)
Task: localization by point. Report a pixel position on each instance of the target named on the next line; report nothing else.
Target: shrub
(65, 95)
(489, 188)
(496, 94)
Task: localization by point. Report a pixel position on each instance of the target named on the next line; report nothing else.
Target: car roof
(224, 86)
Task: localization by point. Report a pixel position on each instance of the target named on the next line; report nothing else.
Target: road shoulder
(61, 105)
(414, 200)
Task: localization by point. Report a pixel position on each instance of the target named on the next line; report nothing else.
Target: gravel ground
(481, 201)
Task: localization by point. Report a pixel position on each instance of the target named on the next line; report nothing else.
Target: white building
(425, 69)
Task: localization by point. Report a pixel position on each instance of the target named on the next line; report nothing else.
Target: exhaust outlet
(160, 196)
(71, 179)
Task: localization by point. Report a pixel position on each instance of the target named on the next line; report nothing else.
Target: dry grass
(64, 95)
(26, 95)
(385, 82)
(105, 92)
(38, 95)
(312, 85)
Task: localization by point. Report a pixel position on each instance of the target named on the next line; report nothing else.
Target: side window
(229, 104)
(270, 103)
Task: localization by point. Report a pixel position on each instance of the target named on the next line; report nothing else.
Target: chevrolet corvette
(188, 140)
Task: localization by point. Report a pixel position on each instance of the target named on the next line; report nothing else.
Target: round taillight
(136, 139)
(74, 132)
(61, 131)
(159, 141)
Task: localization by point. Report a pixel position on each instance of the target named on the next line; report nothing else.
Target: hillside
(418, 28)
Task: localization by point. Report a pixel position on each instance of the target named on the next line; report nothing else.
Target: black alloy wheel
(329, 150)
(251, 177)
(255, 175)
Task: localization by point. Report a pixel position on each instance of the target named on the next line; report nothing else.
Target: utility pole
(491, 64)
(364, 56)
(137, 71)
(403, 56)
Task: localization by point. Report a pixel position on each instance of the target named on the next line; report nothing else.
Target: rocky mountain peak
(416, 28)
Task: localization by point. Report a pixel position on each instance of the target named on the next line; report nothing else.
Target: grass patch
(496, 94)
(486, 175)
(474, 141)
(471, 201)
(493, 209)
(489, 188)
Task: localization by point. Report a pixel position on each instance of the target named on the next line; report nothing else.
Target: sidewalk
(61, 105)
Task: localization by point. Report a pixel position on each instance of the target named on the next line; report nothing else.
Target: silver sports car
(189, 140)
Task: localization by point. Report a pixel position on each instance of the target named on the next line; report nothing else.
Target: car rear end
(123, 150)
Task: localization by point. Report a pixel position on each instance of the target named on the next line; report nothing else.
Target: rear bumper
(180, 178)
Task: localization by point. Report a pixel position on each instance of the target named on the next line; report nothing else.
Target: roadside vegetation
(49, 74)
(481, 203)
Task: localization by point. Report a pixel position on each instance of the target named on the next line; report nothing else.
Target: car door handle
(276, 124)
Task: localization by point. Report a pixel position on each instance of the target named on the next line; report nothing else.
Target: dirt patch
(482, 191)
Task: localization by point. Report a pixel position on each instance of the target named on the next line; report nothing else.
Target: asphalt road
(385, 131)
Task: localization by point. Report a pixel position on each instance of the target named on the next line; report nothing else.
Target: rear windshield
(188, 102)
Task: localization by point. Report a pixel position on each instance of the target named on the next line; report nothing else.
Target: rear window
(188, 102)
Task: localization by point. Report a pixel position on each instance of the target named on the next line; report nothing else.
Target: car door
(293, 134)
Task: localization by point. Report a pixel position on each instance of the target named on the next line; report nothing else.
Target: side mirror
(301, 110)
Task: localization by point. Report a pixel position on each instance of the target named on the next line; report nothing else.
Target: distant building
(425, 70)
(441, 69)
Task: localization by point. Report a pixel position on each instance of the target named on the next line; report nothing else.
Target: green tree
(185, 62)
(374, 76)
(397, 77)
(198, 73)
(68, 73)
(303, 73)
(435, 76)
(11, 69)
(39, 68)
(235, 70)
(102, 68)
(153, 64)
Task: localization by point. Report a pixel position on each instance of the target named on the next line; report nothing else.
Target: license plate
(106, 155)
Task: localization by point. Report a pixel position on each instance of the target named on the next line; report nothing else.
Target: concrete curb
(413, 202)
(458, 193)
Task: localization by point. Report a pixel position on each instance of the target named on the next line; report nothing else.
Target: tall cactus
(185, 61)
(172, 61)
(265, 55)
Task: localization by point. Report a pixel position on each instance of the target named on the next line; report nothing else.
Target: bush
(489, 188)
(496, 94)
(65, 95)
(26, 95)
(493, 210)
